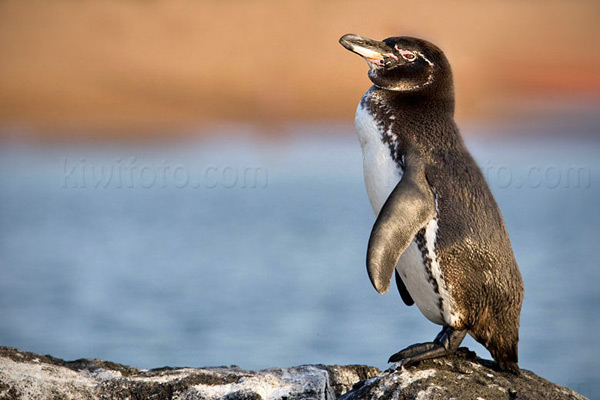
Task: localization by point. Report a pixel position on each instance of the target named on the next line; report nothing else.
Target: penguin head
(402, 63)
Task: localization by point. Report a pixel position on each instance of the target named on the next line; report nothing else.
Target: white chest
(381, 172)
(423, 281)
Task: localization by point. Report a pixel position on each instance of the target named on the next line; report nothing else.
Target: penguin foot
(412, 351)
(446, 342)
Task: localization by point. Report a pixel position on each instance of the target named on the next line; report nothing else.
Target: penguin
(438, 228)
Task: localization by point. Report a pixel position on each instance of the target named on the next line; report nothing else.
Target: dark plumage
(442, 198)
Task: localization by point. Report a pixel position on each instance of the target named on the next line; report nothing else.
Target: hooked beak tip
(348, 39)
(371, 50)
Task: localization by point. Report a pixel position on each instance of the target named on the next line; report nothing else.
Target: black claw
(407, 362)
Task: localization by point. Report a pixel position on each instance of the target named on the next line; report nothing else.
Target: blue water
(266, 268)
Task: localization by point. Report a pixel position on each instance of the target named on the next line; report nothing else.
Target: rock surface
(462, 376)
(26, 375)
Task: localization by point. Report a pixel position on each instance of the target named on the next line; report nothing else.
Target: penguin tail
(506, 355)
(501, 337)
(511, 367)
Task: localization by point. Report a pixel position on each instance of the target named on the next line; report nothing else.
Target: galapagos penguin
(438, 228)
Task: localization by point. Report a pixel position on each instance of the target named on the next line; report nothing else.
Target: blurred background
(180, 182)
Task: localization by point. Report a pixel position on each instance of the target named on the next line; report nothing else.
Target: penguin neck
(440, 103)
(422, 119)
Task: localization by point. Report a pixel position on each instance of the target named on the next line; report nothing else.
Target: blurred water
(219, 270)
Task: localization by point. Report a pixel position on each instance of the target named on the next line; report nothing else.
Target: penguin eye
(407, 55)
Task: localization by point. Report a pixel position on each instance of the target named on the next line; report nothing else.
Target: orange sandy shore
(139, 67)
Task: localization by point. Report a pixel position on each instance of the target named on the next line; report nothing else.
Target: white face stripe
(425, 58)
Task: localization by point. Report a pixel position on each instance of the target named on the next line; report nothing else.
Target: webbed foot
(446, 342)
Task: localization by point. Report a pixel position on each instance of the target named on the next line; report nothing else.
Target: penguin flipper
(406, 298)
(410, 206)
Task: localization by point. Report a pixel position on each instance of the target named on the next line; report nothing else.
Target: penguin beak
(372, 51)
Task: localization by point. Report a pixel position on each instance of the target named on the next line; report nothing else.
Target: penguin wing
(410, 206)
(406, 298)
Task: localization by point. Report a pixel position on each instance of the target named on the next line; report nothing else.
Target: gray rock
(26, 375)
(461, 376)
